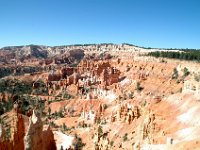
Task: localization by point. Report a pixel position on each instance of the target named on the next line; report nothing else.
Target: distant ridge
(91, 44)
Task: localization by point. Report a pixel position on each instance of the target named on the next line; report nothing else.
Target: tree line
(192, 55)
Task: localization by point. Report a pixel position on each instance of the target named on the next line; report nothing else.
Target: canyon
(97, 97)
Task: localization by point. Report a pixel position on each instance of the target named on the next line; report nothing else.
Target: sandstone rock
(16, 127)
(35, 137)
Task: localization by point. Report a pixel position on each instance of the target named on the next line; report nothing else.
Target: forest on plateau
(191, 55)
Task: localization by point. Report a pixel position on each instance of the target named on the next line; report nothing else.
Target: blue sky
(149, 23)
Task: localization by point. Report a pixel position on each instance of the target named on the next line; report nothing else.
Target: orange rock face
(36, 137)
(115, 99)
(17, 132)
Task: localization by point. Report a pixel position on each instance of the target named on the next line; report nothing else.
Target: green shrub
(197, 77)
(8, 133)
(100, 130)
(175, 74)
(111, 143)
(52, 124)
(78, 144)
(64, 127)
(125, 138)
(49, 111)
(186, 72)
(138, 87)
(105, 106)
(60, 113)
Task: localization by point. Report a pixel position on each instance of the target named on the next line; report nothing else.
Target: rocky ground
(98, 97)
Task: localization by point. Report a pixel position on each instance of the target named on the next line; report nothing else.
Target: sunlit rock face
(15, 128)
(97, 97)
(36, 137)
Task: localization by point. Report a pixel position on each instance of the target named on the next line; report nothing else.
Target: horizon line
(103, 43)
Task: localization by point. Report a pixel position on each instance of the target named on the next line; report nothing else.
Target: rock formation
(12, 136)
(36, 137)
(80, 88)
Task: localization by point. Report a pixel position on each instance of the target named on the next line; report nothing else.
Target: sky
(148, 23)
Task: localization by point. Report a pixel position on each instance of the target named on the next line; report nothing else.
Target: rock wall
(36, 138)
(15, 122)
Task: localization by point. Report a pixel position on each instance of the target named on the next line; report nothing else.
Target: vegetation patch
(186, 54)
